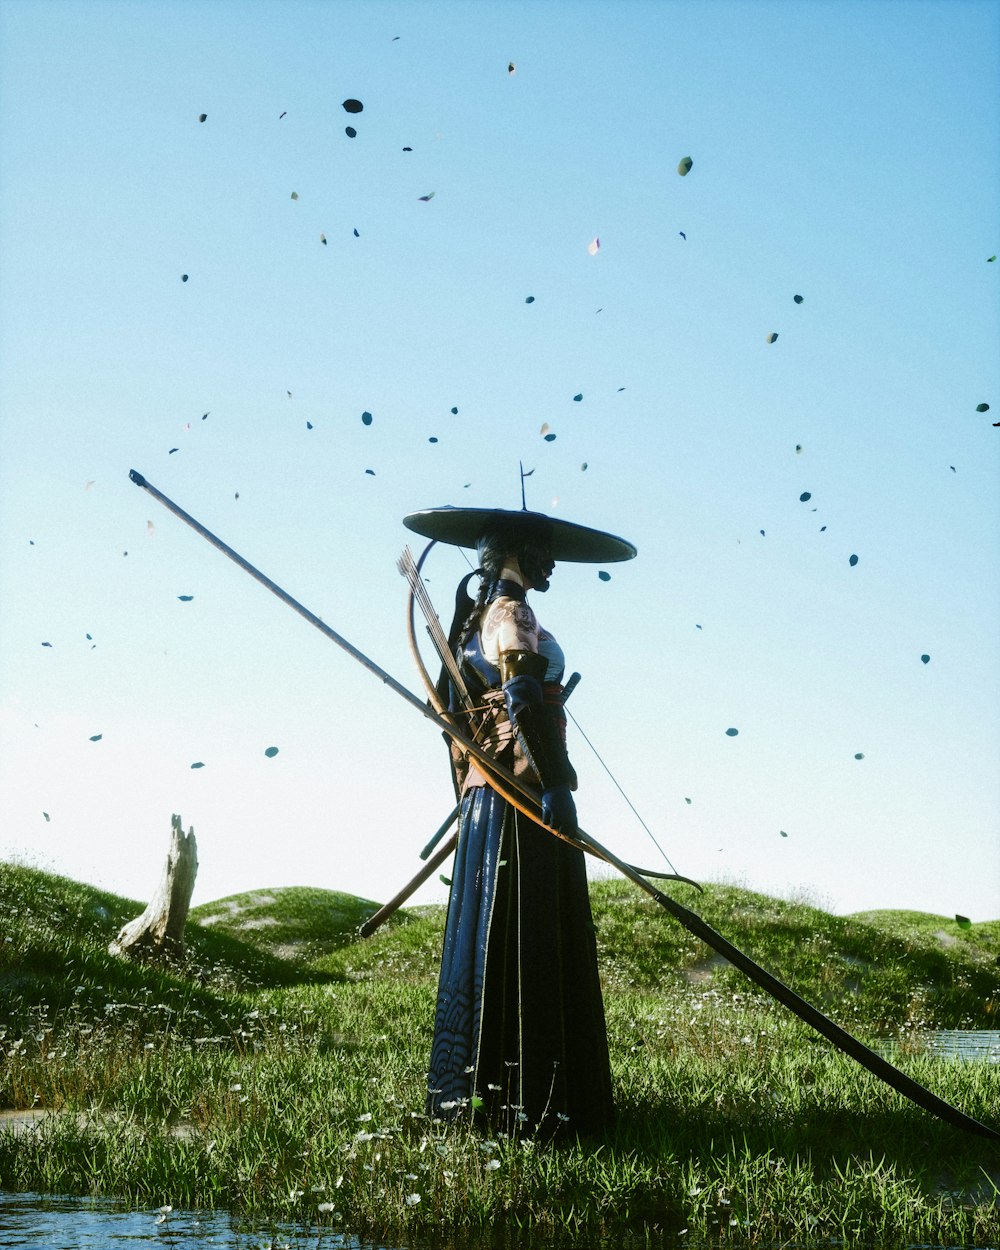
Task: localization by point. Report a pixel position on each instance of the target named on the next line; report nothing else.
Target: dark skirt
(519, 1033)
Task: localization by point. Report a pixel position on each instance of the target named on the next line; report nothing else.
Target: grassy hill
(279, 1068)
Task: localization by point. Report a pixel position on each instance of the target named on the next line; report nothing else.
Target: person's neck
(511, 572)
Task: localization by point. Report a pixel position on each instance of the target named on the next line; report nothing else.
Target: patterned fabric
(519, 1032)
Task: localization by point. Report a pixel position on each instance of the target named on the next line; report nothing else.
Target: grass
(279, 1071)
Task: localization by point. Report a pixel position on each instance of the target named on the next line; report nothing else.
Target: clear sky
(843, 152)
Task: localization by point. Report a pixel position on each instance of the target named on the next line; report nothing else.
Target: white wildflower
(412, 1199)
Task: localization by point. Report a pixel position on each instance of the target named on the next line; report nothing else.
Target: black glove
(559, 810)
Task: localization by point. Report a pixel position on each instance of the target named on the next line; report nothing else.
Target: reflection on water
(47, 1223)
(964, 1044)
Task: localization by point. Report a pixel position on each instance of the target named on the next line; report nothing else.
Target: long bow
(528, 802)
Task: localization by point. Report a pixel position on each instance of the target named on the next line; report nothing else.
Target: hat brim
(463, 527)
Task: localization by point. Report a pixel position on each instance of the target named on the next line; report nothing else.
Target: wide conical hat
(463, 527)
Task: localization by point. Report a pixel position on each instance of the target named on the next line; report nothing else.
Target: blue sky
(843, 152)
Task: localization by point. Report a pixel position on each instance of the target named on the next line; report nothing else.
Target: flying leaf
(350, 132)
(271, 752)
(432, 439)
(925, 659)
(281, 115)
(454, 412)
(982, 407)
(96, 737)
(370, 472)
(295, 195)
(772, 337)
(206, 415)
(47, 816)
(550, 438)
(990, 260)
(593, 247)
(429, 196)
(202, 116)
(353, 106)
(309, 425)
(185, 598)
(530, 299)
(688, 801)
(184, 277)
(583, 467)
(577, 398)
(322, 239)
(366, 418)
(605, 577)
(783, 834)
(443, 879)
(199, 764)
(46, 644)
(963, 922)
(356, 235)
(798, 449)
(805, 496)
(172, 450)
(682, 234)
(860, 755)
(407, 149)
(797, 298)
(511, 68)
(732, 733)
(853, 561)
(684, 168)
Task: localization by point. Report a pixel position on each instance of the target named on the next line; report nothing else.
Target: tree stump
(159, 932)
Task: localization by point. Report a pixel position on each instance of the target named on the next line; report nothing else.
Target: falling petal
(732, 733)
(772, 337)
(545, 428)
(366, 418)
(684, 168)
(150, 528)
(96, 737)
(530, 299)
(185, 598)
(605, 577)
(350, 132)
(429, 196)
(202, 116)
(982, 407)
(593, 247)
(925, 659)
(295, 195)
(853, 561)
(806, 495)
(353, 106)
(199, 764)
(797, 298)
(963, 922)
(271, 752)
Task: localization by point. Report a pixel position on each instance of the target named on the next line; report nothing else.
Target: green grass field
(279, 1070)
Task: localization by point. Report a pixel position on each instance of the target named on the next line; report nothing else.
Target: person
(519, 1030)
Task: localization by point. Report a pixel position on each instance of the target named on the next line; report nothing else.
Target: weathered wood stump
(159, 932)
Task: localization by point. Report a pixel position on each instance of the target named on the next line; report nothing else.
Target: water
(964, 1044)
(57, 1223)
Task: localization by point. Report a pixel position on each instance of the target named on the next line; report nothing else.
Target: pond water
(964, 1044)
(56, 1223)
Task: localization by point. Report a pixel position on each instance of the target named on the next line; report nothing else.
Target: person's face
(537, 568)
